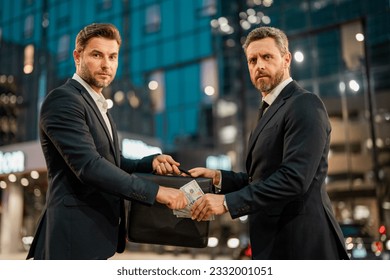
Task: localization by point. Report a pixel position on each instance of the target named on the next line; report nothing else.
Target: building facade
(183, 82)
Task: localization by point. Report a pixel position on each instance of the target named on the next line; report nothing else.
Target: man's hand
(173, 198)
(207, 205)
(207, 173)
(165, 164)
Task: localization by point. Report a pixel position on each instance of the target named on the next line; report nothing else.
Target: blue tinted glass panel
(186, 16)
(168, 11)
(150, 58)
(328, 50)
(168, 49)
(295, 17)
(204, 43)
(187, 48)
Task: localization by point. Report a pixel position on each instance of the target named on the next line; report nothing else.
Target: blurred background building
(183, 88)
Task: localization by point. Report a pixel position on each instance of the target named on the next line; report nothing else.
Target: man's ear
(76, 57)
(287, 60)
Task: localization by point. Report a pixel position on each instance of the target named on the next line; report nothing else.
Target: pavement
(125, 256)
(150, 252)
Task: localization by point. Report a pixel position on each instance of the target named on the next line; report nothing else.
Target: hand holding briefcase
(157, 224)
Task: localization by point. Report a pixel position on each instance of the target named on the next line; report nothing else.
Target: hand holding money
(193, 192)
(207, 206)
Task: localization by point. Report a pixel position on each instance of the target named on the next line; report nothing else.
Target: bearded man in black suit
(282, 191)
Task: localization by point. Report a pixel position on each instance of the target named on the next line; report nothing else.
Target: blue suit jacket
(88, 179)
(283, 190)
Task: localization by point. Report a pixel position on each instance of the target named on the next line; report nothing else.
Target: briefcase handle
(185, 172)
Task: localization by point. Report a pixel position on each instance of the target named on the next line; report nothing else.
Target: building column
(11, 219)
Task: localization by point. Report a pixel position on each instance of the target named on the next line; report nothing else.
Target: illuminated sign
(136, 149)
(219, 162)
(12, 162)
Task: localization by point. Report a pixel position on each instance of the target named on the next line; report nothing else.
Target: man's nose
(105, 62)
(260, 64)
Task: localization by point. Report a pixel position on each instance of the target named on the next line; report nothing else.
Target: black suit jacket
(84, 213)
(283, 190)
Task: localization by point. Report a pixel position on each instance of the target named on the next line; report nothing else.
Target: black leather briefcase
(157, 224)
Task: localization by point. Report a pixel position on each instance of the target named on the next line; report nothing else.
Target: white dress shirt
(99, 99)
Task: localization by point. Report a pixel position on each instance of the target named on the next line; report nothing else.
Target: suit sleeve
(305, 136)
(67, 123)
(143, 165)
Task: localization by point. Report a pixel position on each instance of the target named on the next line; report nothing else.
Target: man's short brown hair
(103, 30)
(268, 32)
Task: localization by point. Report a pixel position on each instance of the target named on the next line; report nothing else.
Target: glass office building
(182, 81)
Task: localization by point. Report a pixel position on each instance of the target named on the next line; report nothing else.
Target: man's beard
(87, 76)
(263, 86)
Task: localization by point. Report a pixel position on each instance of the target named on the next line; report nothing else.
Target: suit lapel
(115, 141)
(87, 97)
(268, 115)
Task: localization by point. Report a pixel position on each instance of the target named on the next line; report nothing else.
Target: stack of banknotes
(193, 192)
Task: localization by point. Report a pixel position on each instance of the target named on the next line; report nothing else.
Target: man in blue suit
(88, 178)
(283, 190)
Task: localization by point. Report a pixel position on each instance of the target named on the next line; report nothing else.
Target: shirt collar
(270, 97)
(90, 90)
(97, 97)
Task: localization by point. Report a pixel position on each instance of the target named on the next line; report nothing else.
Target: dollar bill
(193, 192)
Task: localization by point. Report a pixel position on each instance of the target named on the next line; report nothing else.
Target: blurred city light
(119, 97)
(34, 174)
(247, 19)
(359, 37)
(219, 162)
(37, 192)
(3, 185)
(28, 59)
(133, 99)
(226, 108)
(233, 243)
(298, 56)
(382, 229)
(228, 134)
(361, 212)
(136, 149)
(153, 85)
(12, 178)
(353, 85)
(27, 240)
(24, 182)
(342, 87)
(212, 242)
(267, 3)
(266, 19)
(209, 90)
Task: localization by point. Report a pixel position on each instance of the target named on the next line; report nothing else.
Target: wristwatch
(225, 204)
